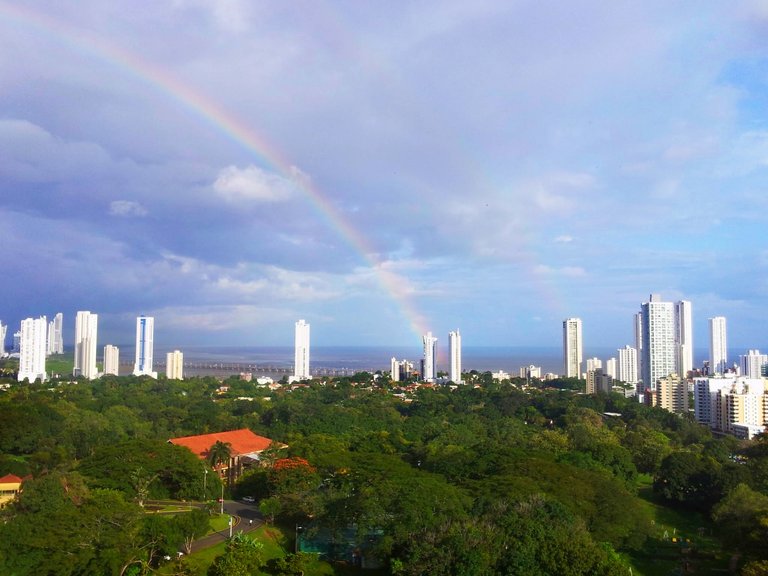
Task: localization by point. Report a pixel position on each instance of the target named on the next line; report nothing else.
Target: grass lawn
(679, 537)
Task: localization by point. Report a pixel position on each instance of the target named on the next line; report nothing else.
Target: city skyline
(419, 166)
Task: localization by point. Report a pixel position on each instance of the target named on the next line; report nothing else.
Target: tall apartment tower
(145, 335)
(174, 365)
(55, 335)
(627, 365)
(659, 357)
(32, 345)
(86, 325)
(394, 370)
(718, 345)
(454, 353)
(753, 364)
(111, 360)
(3, 331)
(429, 360)
(572, 347)
(301, 351)
(684, 337)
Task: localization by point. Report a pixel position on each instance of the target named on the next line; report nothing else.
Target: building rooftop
(241, 442)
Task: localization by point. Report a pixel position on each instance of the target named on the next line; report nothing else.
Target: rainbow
(210, 112)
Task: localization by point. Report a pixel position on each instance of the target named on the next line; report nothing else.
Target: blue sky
(489, 166)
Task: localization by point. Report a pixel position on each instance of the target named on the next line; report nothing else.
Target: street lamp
(222, 497)
(205, 484)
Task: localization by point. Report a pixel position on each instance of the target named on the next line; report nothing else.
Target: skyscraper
(86, 325)
(145, 333)
(684, 337)
(32, 345)
(718, 345)
(111, 359)
(454, 349)
(572, 347)
(55, 335)
(301, 351)
(754, 364)
(628, 365)
(429, 361)
(174, 365)
(3, 330)
(659, 356)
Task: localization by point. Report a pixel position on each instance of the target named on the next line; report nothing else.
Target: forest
(483, 479)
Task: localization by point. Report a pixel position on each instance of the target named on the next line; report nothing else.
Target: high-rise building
(32, 345)
(394, 370)
(627, 365)
(684, 337)
(16, 342)
(671, 394)
(3, 330)
(86, 325)
(530, 371)
(145, 335)
(754, 365)
(174, 365)
(638, 332)
(301, 351)
(594, 363)
(611, 368)
(572, 347)
(55, 335)
(429, 360)
(659, 356)
(454, 349)
(111, 360)
(718, 345)
(736, 405)
(599, 382)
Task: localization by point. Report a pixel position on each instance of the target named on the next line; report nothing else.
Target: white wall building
(301, 351)
(3, 331)
(684, 337)
(627, 365)
(726, 402)
(659, 354)
(611, 368)
(145, 346)
(429, 359)
(572, 348)
(174, 365)
(718, 345)
(33, 342)
(454, 356)
(753, 364)
(111, 360)
(530, 371)
(55, 335)
(594, 364)
(86, 328)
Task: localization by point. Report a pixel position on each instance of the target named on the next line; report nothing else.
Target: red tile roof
(240, 442)
(10, 479)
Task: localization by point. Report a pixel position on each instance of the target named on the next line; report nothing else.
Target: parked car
(249, 499)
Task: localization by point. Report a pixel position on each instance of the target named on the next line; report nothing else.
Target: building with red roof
(245, 449)
(10, 486)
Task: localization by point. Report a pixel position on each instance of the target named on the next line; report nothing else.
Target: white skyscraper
(301, 351)
(718, 345)
(86, 325)
(55, 335)
(32, 345)
(174, 365)
(659, 357)
(627, 365)
(111, 359)
(454, 353)
(611, 368)
(594, 364)
(394, 370)
(753, 364)
(3, 331)
(572, 347)
(145, 333)
(684, 337)
(429, 361)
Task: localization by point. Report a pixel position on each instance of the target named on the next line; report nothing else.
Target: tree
(219, 453)
(742, 517)
(192, 525)
(242, 557)
(269, 508)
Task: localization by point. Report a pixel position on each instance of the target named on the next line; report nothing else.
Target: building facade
(301, 351)
(572, 348)
(684, 337)
(3, 331)
(55, 335)
(627, 365)
(33, 342)
(454, 356)
(174, 365)
(718, 345)
(659, 357)
(111, 360)
(753, 364)
(672, 394)
(145, 347)
(731, 404)
(429, 359)
(86, 329)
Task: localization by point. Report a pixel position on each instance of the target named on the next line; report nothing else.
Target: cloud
(252, 184)
(127, 208)
(564, 239)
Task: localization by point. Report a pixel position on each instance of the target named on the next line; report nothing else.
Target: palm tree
(219, 453)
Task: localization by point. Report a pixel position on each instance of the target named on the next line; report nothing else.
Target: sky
(381, 169)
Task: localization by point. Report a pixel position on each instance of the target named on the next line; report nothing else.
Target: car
(249, 499)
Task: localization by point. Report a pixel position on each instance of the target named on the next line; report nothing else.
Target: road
(246, 517)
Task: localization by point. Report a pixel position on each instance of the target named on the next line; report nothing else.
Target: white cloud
(127, 208)
(254, 184)
(564, 239)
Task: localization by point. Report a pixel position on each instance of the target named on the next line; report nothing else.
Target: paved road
(246, 518)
